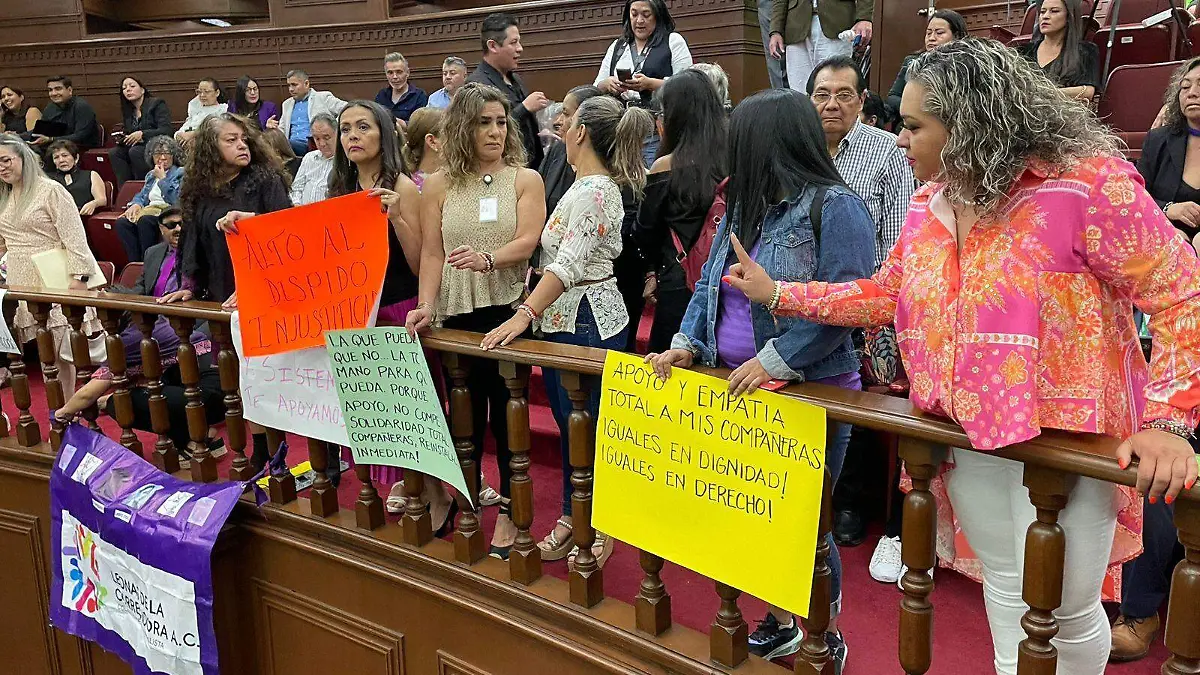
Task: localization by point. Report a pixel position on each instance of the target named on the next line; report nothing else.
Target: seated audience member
(400, 96)
(649, 49)
(781, 181)
(1058, 47)
(209, 101)
(75, 114)
(720, 81)
(145, 117)
(311, 183)
(804, 34)
(138, 228)
(454, 76)
(85, 186)
(303, 104)
(283, 149)
(874, 112)
(422, 147)
(945, 25)
(1168, 164)
(248, 102)
(501, 52)
(17, 116)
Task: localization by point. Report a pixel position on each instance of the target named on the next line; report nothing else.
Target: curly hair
(458, 131)
(1000, 111)
(164, 144)
(206, 175)
(1174, 119)
(423, 122)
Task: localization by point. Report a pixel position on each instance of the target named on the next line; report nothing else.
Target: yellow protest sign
(729, 487)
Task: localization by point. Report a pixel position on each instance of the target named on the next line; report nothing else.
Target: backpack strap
(814, 213)
(619, 47)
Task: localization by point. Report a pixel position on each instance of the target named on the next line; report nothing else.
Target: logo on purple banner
(132, 548)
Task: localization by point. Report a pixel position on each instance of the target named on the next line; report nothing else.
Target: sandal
(395, 501)
(602, 548)
(552, 549)
(489, 497)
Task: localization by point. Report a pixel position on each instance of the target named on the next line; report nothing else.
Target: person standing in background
(501, 57)
(454, 76)
(400, 96)
(804, 35)
(301, 107)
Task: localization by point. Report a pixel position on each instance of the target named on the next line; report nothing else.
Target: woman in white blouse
(210, 100)
(312, 179)
(647, 53)
(577, 301)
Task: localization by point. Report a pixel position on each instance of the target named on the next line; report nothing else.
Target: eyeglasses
(843, 97)
(206, 91)
(171, 224)
(7, 160)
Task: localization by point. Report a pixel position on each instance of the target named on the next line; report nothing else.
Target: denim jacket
(170, 187)
(789, 348)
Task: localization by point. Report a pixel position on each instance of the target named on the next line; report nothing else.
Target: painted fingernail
(1122, 463)
(1189, 485)
(1169, 499)
(1153, 500)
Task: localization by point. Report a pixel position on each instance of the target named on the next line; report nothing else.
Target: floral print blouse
(579, 245)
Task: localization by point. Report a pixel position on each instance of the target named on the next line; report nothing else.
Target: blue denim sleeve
(142, 198)
(847, 252)
(693, 330)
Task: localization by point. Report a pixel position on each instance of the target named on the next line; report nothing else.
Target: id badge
(489, 210)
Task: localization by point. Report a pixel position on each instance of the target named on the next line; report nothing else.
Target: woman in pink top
(1012, 288)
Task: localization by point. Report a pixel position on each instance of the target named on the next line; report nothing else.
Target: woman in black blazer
(144, 117)
(1170, 160)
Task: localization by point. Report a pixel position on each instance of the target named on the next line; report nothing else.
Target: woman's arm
(31, 117)
(531, 219)
(407, 223)
(69, 228)
(99, 196)
(433, 253)
(681, 56)
(1084, 93)
(606, 64)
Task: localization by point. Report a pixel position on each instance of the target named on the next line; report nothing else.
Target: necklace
(1193, 131)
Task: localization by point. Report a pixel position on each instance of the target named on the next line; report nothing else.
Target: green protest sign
(390, 406)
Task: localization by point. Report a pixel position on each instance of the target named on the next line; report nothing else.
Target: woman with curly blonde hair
(1012, 288)
(481, 218)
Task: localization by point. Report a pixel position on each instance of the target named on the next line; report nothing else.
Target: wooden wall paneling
(905, 34)
(26, 637)
(45, 20)
(316, 12)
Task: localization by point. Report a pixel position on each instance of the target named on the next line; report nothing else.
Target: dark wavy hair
(343, 178)
(205, 169)
(664, 25)
(126, 104)
(694, 134)
(5, 113)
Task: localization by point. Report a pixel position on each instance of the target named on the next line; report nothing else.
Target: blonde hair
(617, 134)
(720, 79)
(423, 122)
(458, 131)
(31, 173)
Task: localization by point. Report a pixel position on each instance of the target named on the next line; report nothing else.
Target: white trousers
(802, 58)
(994, 511)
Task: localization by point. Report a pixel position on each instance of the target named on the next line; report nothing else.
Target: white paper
(7, 344)
(489, 210)
(171, 505)
(87, 466)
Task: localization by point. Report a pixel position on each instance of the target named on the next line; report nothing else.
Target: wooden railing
(1051, 462)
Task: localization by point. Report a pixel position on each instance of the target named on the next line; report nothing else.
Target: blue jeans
(650, 149)
(299, 147)
(586, 335)
(837, 439)
(1147, 578)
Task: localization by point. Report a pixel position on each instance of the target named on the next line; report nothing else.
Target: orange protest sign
(306, 270)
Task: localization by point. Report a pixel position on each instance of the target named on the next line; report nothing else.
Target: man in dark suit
(74, 113)
(501, 55)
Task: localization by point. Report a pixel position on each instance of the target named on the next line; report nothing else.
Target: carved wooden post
(281, 489)
(587, 577)
(204, 467)
(525, 558)
(29, 433)
(165, 456)
(728, 637)
(418, 530)
(468, 537)
(653, 606)
(918, 542)
(235, 426)
(368, 509)
(814, 651)
(82, 358)
(49, 359)
(122, 401)
(1045, 555)
(322, 498)
(1183, 612)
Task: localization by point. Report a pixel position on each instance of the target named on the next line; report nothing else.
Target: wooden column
(281, 489)
(165, 456)
(322, 497)
(368, 509)
(82, 359)
(814, 651)
(49, 360)
(1183, 612)
(235, 426)
(469, 547)
(418, 530)
(652, 609)
(122, 401)
(728, 636)
(29, 433)
(204, 467)
(918, 541)
(525, 558)
(587, 577)
(1045, 555)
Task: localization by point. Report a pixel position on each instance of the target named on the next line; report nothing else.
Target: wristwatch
(83, 277)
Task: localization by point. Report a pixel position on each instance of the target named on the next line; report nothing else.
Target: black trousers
(173, 391)
(139, 236)
(128, 163)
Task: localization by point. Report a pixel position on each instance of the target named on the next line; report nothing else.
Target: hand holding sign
(748, 276)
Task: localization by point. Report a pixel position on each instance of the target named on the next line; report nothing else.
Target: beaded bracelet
(1172, 427)
(528, 311)
(774, 303)
(489, 262)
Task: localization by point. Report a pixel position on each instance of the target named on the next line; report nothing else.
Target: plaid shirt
(875, 168)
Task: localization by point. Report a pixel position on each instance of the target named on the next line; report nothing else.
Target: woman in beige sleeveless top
(481, 218)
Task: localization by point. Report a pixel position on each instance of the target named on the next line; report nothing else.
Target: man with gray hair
(454, 76)
(399, 96)
(304, 104)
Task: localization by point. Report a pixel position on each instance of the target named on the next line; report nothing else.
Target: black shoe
(772, 641)
(849, 529)
(837, 651)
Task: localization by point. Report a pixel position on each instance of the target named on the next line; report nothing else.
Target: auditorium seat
(101, 227)
(1131, 100)
(130, 275)
(96, 159)
(109, 270)
(1135, 44)
(1026, 32)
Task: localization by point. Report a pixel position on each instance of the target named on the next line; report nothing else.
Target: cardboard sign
(306, 270)
(391, 408)
(681, 463)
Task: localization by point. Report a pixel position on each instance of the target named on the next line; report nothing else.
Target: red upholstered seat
(1136, 44)
(1133, 96)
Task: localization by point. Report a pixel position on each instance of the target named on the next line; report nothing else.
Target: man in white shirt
(295, 121)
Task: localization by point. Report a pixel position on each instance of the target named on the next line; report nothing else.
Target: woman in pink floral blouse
(1012, 288)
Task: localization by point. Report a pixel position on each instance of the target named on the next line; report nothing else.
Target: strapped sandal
(602, 548)
(552, 549)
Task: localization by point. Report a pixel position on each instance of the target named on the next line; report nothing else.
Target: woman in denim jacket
(138, 226)
(779, 166)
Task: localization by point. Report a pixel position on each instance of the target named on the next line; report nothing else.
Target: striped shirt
(875, 168)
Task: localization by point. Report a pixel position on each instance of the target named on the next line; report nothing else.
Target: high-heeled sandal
(602, 548)
(552, 549)
(448, 524)
(395, 502)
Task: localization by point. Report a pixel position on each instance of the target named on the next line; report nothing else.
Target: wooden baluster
(418, 530)
(29, 433)
(921, 460)
(1183, 613)
(235, 426)
(525, 559)
(728, 637)
(322, 498)
(83, 360)
(204, 467)
(469, 546)
(1045, 555)
(814, 652)
(281, 489)
(122, 400)
(49, 359)
(653, 606)
(165, 456)
(587, 577)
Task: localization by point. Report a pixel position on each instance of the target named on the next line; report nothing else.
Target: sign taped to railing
(392, 412)
(308, 269)
(7, 344)
(682, 464)
(132, 553)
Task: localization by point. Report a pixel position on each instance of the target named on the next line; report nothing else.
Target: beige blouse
(464, 291)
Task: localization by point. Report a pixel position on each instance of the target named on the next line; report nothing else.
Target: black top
(80, 186)
(1088, 74)
(1163, 154)
(660, 213)
(80, 119)
(399, 282)
(205, 254)
(14, 121)
(515, 91)
(155, 119)
(557, 175)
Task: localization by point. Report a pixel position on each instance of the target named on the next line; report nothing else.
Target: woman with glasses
(138, 227)
(248, 102)
(210, 100)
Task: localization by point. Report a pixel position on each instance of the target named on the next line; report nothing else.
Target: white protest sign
(7, 344)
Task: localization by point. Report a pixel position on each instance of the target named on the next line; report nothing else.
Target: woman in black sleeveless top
(85, 186)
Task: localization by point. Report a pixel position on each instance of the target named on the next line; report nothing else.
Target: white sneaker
(905, 569)
(886, 564)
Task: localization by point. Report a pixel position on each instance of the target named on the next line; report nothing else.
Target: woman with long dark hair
(17, 116)
(945, 25)
(145, 117)
(248, 102)
(1058, 48)
(787, 201)
(679, 193)
(649, 49)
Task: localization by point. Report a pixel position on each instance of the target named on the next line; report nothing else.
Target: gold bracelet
(774, 304)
